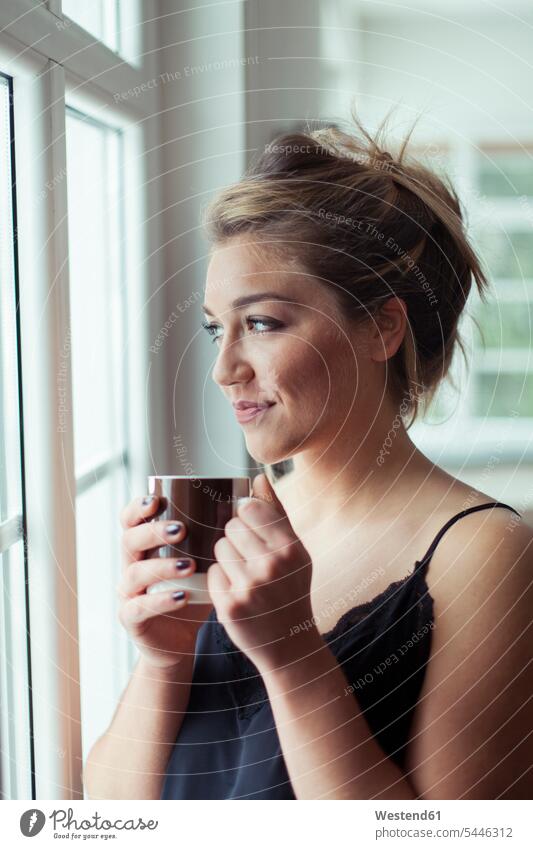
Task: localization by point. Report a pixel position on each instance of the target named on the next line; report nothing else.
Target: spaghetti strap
(424, 563)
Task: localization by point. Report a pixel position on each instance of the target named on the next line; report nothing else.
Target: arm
(327, 744)
(472, 731)
(329, 750)
(129, 760)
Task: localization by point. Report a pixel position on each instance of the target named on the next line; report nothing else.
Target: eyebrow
(252, 299)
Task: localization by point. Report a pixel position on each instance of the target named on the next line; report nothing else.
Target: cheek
(272, 376)
(289, 370)
(347, 360)
(308, 378)
(326, 375)
(308, 371)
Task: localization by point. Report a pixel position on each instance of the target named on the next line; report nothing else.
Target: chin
(264, 457)
(268, 455)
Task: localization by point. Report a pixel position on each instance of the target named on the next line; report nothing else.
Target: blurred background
(118, 121)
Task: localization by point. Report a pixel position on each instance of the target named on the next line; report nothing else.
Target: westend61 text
(407, 815)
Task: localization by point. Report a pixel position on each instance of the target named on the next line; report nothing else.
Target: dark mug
(204, 505)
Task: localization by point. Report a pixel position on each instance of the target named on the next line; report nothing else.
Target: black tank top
(228, 746)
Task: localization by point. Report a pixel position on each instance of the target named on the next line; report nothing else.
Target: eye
(211, 329)
(266, 322)
(271, 324)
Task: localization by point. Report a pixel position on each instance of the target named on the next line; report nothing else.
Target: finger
(150, 535)
(142, 574)
(247, 543)
(231, 562)
(141, 608)
(266, 522)
(139, 510)
(218, 585)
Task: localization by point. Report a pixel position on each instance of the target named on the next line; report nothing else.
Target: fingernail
(183, 564)
(245, 500)
(174, 529)
(147, 500)
(178, 595)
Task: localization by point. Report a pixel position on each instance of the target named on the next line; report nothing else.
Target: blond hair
(370, 225)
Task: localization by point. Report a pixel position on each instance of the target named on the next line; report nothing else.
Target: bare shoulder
(472, 729)
(481, 547)
(491, 535)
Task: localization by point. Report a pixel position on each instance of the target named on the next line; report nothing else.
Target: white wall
(213, 120)
(202, 148)
(284, 85)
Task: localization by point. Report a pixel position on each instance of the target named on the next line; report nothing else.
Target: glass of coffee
(203, 505)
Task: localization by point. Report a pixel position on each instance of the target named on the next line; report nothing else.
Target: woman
(330, 667)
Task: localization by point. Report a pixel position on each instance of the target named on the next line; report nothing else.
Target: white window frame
(47, 57)
(512, 434)
(15, 718)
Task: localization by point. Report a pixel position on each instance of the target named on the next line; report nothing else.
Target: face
(289, 351)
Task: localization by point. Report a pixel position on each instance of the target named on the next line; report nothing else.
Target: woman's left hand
(261, 580)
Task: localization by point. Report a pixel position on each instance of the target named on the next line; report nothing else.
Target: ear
(388, 328)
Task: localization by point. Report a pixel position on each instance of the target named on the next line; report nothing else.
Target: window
(493, 402)
(115, 23)
(96, 338)
(15, 764)
(505, 173)
(504, 372)
(100, 17)
(74, 272)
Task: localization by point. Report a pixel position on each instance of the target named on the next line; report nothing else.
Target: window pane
(10, 458)
(505, 325)
(99, 17)
(503, 394)
(506, 174)
(103, 642)
(508, 254)
(97, 289)
(14, 685)
(97, 334)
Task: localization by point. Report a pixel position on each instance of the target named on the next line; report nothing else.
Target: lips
(246, 414)
(245, 405)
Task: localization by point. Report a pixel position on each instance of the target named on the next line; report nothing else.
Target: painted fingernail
(183, 564)
(147, 500)
(174, 529)
(178, 595)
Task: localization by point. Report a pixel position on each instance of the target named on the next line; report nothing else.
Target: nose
(231, 366)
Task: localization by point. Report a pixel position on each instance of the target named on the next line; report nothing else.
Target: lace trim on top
(358, 613)
(249, 686)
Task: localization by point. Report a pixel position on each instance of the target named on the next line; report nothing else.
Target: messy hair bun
(370, 224)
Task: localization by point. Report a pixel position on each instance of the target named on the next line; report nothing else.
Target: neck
(355, 476)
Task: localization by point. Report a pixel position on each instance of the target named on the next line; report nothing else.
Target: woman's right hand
(163, 629)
